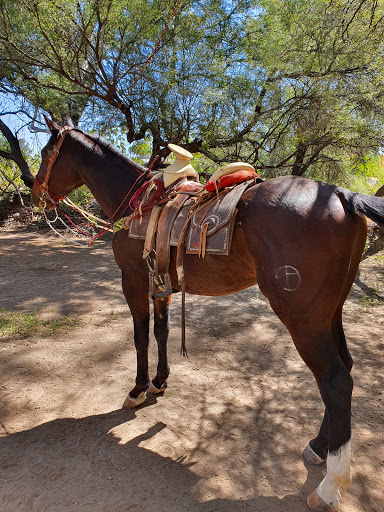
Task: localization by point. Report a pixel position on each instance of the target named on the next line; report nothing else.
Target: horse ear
(53, 127)
(69, 122)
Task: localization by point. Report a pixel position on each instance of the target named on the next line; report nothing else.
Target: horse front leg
(138, 302)
(161, 330)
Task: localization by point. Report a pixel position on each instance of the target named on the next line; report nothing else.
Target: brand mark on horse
(292, 277)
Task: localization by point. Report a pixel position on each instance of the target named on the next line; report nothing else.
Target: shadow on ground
(95, 468)
(228, 433)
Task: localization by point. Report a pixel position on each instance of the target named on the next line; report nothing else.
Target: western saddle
(195, 218)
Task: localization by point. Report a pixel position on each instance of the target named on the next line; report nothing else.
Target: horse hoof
(317, 504)
(311, 457)
(154, 390)
(131, 402)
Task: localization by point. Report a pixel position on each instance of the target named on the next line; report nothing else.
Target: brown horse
(299, 240)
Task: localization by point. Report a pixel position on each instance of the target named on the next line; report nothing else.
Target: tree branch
(16, 155)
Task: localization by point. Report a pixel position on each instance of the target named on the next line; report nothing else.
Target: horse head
(57, 176)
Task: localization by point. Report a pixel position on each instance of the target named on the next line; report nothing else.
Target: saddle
(191, 218)
(197, 219)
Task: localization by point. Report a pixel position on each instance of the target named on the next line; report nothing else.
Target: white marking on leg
(154, 390)
(338, 475)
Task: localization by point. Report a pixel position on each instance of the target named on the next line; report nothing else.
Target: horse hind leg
(308, 315)
(318, 351)
(316, 450)
(161, 331)
(313, 338)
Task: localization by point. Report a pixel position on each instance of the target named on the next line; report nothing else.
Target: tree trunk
(16, 155)
(298, 169)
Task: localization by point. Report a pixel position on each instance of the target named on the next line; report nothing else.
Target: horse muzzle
(40, 196)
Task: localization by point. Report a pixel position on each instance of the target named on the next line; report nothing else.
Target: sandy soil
(226, 436)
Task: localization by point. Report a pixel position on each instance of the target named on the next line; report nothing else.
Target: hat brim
(229, 168)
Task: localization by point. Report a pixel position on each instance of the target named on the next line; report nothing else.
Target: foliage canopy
(291, 86)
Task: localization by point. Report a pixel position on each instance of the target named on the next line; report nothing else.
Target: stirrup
(159, 285)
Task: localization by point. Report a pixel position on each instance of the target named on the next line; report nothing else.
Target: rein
(46, 195)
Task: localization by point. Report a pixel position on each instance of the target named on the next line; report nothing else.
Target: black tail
(371, 206)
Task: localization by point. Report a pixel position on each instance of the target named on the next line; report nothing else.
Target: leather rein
(44, 190)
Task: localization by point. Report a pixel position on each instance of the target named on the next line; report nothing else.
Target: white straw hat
(229, 168)
(180, 167)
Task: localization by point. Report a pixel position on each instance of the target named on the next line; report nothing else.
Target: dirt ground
(226, 436)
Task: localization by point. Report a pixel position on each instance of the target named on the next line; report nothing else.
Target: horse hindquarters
(304, 258)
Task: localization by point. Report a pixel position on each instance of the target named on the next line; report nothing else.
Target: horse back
(283, 223)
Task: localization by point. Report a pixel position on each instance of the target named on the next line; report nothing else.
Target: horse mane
(108, 147)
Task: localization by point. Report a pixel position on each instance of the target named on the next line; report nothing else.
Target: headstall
(45, 195)
(51, 162)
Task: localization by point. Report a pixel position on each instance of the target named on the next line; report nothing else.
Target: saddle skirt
(210, 219)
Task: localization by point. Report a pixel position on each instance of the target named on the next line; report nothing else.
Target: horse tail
(371, 206)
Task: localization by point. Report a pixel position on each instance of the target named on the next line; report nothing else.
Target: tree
(289, 86)
(324, 81)
(99, 49)
(15, 153)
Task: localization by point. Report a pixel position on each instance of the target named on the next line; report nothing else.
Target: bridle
(45, 195)
(43, 187)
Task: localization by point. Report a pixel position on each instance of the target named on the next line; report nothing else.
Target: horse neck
(108, 175)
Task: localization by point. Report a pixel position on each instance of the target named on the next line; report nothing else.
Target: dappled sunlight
(47, 374)
(226, 435)
(371, 294)
(85, 461)
(44, 273)
(311, 202)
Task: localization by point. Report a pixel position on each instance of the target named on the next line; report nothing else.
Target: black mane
(108, 147)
